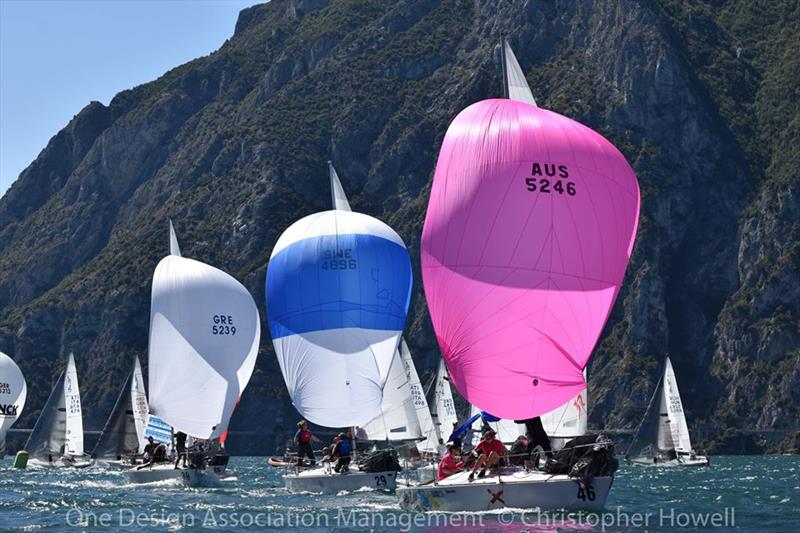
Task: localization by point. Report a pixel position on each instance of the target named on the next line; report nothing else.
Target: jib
(549, 169)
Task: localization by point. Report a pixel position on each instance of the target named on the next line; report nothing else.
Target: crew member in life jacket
(303, 438)
(341, 451)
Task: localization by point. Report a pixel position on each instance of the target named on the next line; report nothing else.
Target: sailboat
(123, 437)
(13, 391)
(663, 436)
(529, 229)
(204, 337)
(338, 288)
(57, 437)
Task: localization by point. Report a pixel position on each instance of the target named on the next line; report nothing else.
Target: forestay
(529, 228)
(338, 287)
(204, 336)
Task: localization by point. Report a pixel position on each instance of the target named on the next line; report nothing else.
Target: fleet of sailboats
(529, 229)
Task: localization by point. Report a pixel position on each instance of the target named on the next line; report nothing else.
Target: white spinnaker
(518, 88)
(398, 418)
(443, 412)
(204, 336)
(13, 392)
(73, 437)
(679, 430)
(569, 420)
(139, 401)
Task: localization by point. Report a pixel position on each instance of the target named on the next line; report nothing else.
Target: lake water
(742, 493)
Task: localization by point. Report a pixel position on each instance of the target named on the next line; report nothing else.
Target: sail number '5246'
(223, 325)
(550, 178)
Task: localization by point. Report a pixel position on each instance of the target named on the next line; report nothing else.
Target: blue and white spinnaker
(338, 289)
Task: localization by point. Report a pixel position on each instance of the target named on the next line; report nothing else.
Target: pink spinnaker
(530, 226)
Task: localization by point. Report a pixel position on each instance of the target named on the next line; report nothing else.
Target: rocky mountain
(701, 96)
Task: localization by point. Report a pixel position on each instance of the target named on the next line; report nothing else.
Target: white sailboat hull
(62, 462)
(324, 481)
(699, 460)
(190, 477)
(517, 489)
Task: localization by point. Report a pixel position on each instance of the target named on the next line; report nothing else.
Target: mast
(503, 45)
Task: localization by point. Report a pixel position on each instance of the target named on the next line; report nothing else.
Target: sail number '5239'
(339, 260)
(223, 325)
(549, 178)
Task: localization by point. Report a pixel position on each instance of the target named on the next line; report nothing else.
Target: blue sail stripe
(338, 281)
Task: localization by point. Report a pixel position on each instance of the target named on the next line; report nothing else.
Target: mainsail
(672, 412)
(423, 412)
(59, 428)
(530, 226)
(338, 287)
(204, 337)
(398, 418)
(124, 430)
(569, 420)
(517, 87)
(13, 391)
(443, 411)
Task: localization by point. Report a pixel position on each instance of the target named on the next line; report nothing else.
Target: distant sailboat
(529, 229)
(204, 337)
(337, 342)
(123, 434)
(13, 392)
(663, 435)
(57, 436)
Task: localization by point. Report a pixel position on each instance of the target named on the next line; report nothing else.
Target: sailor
(149, 448)
(451, 462)
(303, 439)
(490, 451)
(519, 454)
(341, 451)
(180, 448)
(537, 436)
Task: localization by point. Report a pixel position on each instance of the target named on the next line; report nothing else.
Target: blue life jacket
(345, 447)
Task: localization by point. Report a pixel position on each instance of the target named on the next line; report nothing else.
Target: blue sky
(58, 55)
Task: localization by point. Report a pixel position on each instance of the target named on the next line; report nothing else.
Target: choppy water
(759, 494)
